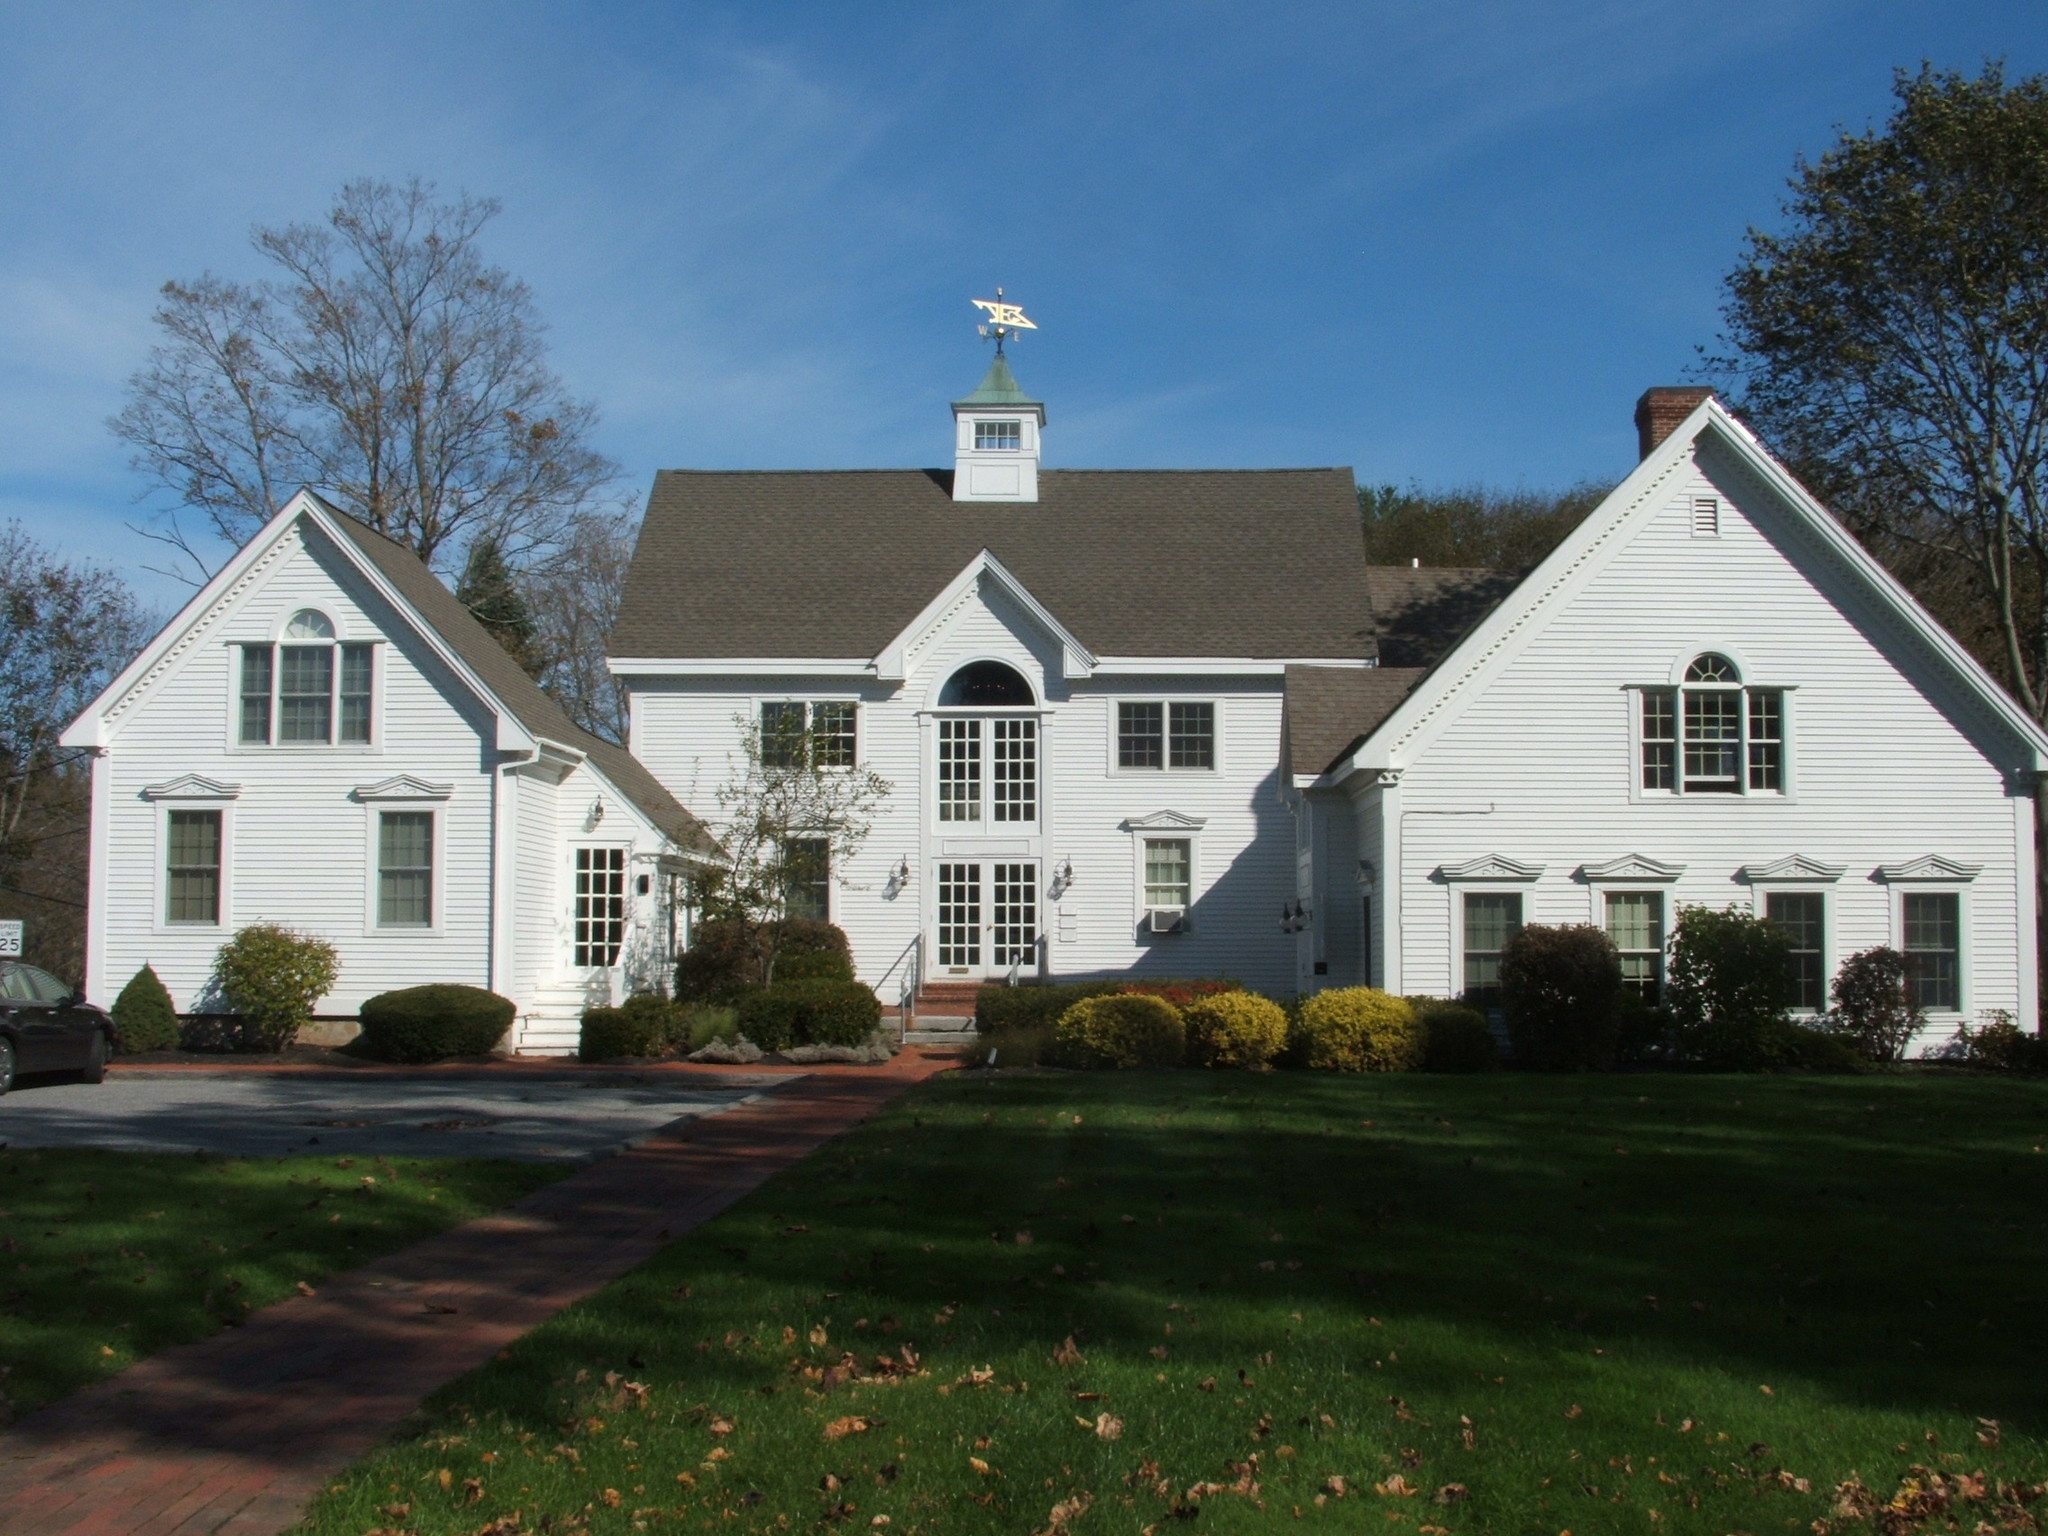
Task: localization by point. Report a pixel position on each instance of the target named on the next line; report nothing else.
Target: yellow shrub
(1129, 1030)
(1359, 1029)
(1235, 1029)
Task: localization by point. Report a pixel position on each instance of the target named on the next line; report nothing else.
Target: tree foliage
(1892, 345)
(385, 362)
(1731, 988)
(1470, 525)
(496, 598)
(574, 597)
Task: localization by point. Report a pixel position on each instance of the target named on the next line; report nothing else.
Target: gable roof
(1419, 613)
(509, 683)
(1330, 710)
(1501, 629)
(1262, 564)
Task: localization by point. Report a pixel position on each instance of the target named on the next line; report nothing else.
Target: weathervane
(1004, 320)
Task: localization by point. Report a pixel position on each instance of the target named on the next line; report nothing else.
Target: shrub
(1560, 991)
(640, 1026)
(1731, 986)
(1358, 1029)
(1181, 993)
(999, 1008)
(1019, 1045)
(1999, 1045)
(1131, 1029)
(433, 1022)
(821, 965)
(1455, 1038)
(698, 1027)
(1801, 1048)
(1874, 1008)
(726, 957)
(1642, 1029)
(145, 1015)
(809, 1013)
(1235, 1029)
(272, 976)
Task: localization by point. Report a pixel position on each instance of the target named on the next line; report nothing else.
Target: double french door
(987, 918)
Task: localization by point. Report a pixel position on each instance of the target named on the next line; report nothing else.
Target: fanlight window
(309, 624)
(1712, 735)
(307, 691)
(987, 684)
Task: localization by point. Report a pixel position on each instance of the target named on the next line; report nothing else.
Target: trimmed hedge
(433, 1022)
(725, 958)
(819, 965)
(1560, 988)
(145, 1015)
(1358, 1029)
(1455, 1038)
(1131, 1029)
(1032, 1006)
(1235, 1029)
(641, 1026)
(810, 1013)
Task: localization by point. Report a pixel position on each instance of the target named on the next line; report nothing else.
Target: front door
(988, 919)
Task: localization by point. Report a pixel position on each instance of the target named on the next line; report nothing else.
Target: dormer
(995, 440)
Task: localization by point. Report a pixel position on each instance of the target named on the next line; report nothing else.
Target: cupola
(996, 429)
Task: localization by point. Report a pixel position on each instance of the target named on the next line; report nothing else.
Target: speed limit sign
(10, 937)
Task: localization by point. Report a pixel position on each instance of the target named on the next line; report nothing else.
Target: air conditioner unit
(1167, 919)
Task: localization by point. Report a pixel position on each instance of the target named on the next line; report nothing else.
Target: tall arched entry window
(988, 787)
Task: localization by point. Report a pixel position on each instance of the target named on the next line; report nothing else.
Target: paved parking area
(571, 1116)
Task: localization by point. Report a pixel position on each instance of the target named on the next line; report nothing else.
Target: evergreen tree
(490, 590)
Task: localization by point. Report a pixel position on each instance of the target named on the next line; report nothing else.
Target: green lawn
(1614, 1304)
(107, 1256)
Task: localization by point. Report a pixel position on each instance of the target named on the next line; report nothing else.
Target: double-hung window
(824, 733)
(1165, 735)
(1635, 924)
(807, 878)
(192, 867)
(1169, 873)
(1801, 916)
(308, 690)
(1931, 924)
(405, 869)
(1491, 919)
(1712, 735)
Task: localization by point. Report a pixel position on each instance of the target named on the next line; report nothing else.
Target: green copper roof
(999, 388)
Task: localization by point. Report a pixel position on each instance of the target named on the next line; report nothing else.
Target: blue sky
(1440, 242)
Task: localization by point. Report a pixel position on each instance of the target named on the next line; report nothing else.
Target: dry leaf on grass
(1068, 1353)
(1108, 1427)
(839, 1429)
(818, 1335)
(1397, 1487)
(980, 1466)
(1066, 1512)
(1450, 1493)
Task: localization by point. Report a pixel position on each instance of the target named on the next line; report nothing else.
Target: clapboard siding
(1889, 760)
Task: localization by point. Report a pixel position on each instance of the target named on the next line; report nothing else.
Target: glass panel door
(1016, 769)
(600, 906)
(1013, 903)
(959, 918)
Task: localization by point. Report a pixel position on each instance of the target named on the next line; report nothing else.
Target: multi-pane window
(1169, 873)
(1158, 735)
(828, 729)
(192, 872)
(1635, 924)
(1013, 908)
(998, 434)
(1712, 735)
(308, 690)
(1932, 923)
(1491, 919)
(959, 916)
(959, 770)
(600, 905)
(1801, 917)
(1014, 748)
(807, 878)
(405, 869)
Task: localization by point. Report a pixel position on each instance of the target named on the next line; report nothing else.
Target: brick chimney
(1660, 411)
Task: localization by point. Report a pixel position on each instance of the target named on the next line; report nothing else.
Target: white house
(1136, 722)
(325, 738)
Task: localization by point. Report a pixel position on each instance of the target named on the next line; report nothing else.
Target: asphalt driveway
(545, 1116)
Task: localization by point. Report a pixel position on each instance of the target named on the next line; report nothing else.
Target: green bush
(1560, 991)
(145, 1015)
(1018, 1045)
(271, 977)
(699, 1026)
(1732, 987)
(1801, 1048)
(725, 957)
(821, 965)
(1999, 1046)
(640, 1026)
(1455, 1038)
(433, 1023)
(809, 1013)
(1034, 1006)
(1131, 1029)
(1874, 1008)
(1643, 1031)
(1234, 1029)
(1358, 1029)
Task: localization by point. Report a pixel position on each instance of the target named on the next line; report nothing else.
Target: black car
(46, 1026)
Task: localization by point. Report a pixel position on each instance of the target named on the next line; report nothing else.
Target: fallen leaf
(1108, 1427)
(305, 1289)
(1574, 1411)
(1068, 1353)
(472, 1490)
(720, 1427)
(839, 1429)
(818, 1335)
(1158, 1351)
(1335, 1487)
(788, 1335)
(718, 1453)
(1450, 1493)
(1397, 1487)
(1206, 1384)
(445, 1478)
(980, 1466)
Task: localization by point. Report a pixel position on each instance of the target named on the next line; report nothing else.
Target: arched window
(309, 624)
(1713, 736)
(307, 691)
(988, 684)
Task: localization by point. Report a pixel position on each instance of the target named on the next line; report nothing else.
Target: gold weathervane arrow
(1003, 319)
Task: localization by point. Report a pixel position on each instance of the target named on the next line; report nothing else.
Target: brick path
(235, 1434)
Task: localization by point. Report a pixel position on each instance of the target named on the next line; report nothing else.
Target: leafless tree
(386, 363)
(574, 598)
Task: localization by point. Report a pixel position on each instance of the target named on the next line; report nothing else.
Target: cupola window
(1001, 435)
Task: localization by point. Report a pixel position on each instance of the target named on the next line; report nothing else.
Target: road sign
(10, 938)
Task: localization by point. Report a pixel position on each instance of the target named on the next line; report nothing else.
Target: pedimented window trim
(402, 786)
(1491, 867)
(192, 786)
(1793, 869)
(1630, 869)
(1930, 867)
(1165, 821)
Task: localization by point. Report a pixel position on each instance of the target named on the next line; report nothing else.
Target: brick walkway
(237, 1433)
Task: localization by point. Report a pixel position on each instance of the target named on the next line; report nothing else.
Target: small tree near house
(798, 810)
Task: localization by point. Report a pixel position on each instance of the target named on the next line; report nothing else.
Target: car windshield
(26, 984)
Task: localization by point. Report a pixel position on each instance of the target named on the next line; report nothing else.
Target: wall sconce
(898, 882)
(595, 815)
(1062, 879)
(1293, 917)
(903, 873)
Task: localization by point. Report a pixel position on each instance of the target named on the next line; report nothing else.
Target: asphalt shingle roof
(1248, 563)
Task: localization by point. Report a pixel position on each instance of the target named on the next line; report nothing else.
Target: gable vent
(1706, 517)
